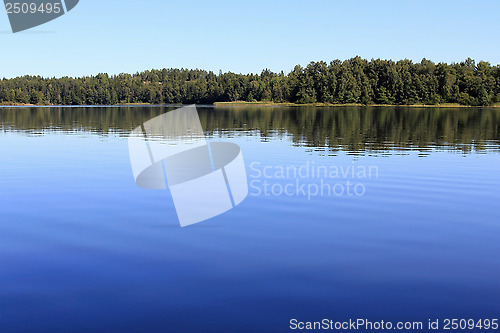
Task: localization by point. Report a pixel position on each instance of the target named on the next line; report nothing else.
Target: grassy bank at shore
(445, 105)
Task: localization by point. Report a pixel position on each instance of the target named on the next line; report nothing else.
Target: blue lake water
(416, 237)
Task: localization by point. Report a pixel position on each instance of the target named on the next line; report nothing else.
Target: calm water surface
(82, 248)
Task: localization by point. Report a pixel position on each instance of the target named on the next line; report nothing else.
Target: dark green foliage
(352, 81)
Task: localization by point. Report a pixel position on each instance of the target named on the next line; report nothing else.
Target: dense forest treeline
(340, 82)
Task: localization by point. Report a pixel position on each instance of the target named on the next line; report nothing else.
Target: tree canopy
(354, 80)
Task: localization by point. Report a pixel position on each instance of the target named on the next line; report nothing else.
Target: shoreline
(445, 105)
(244, 103)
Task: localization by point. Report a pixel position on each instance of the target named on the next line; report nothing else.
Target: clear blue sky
(247, 36)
